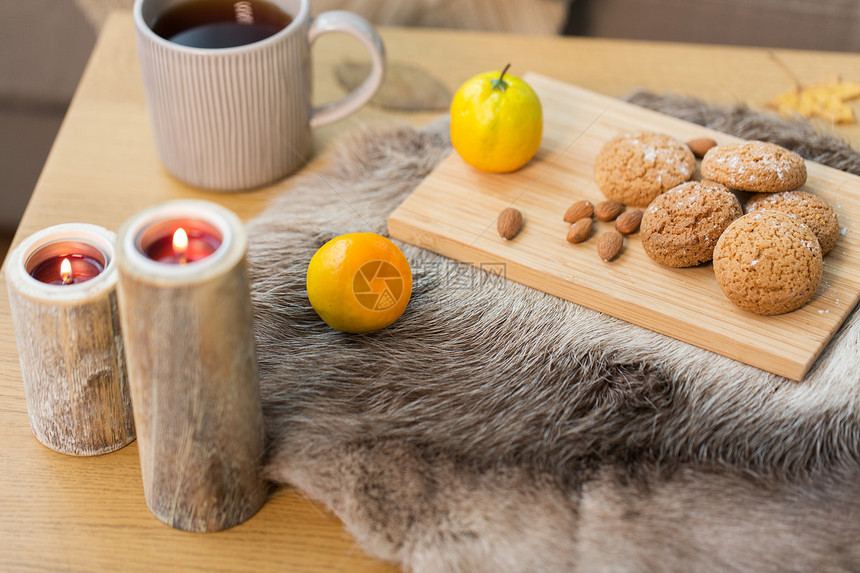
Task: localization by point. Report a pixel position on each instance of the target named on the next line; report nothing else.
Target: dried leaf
(406, 87)
(825, 100)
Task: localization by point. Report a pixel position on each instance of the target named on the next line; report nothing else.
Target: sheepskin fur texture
(497, 428)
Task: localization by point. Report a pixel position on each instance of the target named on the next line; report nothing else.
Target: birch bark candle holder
(62, 295)
(187, 317)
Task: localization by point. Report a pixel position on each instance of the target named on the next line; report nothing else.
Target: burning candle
(188, 325)
(62, 294)
(66, 275)
(189, 241)
(67, 269)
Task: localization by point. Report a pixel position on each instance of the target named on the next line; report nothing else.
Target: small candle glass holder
(70, 344)
(186, 313)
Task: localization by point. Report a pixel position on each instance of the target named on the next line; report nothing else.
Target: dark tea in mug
(220, 23)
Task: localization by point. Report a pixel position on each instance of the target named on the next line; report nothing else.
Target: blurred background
(44, 46)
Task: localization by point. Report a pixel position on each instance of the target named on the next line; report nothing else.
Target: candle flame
(180, 241)
(66, 271)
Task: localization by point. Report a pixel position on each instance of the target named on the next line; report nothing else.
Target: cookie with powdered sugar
(768, 262)
(634, 168)
(681, 227)
(756, 166)
(811, 210)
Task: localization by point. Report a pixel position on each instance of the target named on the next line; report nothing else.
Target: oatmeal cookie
(755, 166)
(767, 262)
(681, 227)
(811, 210)
(634, 168)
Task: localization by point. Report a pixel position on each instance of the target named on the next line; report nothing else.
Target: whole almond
(578, 210)
(509, 223)
(608, 210)
(701, 146)
(580, 231)
(628, 221)
(609, 245)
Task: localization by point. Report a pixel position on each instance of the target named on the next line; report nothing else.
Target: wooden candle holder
(70, 345)
(193, 371)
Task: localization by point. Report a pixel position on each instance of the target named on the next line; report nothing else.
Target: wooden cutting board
(453, 212)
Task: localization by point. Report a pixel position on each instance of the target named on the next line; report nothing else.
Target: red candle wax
(81, 269)
(170, 249)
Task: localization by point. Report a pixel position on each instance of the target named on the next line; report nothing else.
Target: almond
(509, 223)
(580, 231)
(628, 221)
(608, 210)
(578, 210)
(701, 146)
(609, 245)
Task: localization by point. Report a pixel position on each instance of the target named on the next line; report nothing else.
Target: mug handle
(354, 25)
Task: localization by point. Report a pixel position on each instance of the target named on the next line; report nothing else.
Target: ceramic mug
(229, 119)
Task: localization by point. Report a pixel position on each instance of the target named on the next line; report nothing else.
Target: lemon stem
(501, 84)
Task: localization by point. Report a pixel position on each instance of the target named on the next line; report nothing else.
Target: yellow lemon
(359, 282)
(496, 122)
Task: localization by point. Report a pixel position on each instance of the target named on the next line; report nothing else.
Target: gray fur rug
(497, 428)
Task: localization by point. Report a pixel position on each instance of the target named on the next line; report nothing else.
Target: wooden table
(88, 514)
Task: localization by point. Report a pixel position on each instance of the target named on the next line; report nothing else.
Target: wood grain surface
(192, 371)
(62, 513)
(454, 212)
(71, 354)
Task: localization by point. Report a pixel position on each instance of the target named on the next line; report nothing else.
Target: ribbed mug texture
(234, 118)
